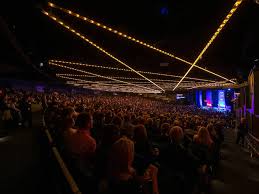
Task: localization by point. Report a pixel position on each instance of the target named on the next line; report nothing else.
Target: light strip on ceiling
(96, 46)
(97, 75)
(232, 11)
(79, 82)
(83, 82)
(217, 84)
(120, 69)
(100, 86)
(91, 21)
(137, 79)
(168, 86)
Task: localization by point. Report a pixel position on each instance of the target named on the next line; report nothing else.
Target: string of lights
(104, 87)
(225, 21)
(167, 86)
(91, 21)
(101, 85)
(137, 79)
(217, 84)
(97, 46)
(130, 78)
(97, 75)
(120, 69)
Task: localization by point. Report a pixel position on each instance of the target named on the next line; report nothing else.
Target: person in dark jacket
(25, 107)
(180, 165)
(242, 131)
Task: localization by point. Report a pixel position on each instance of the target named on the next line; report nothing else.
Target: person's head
(117, 121)
(165, 128)
(127, 118)
(211, 129)
(140, 134)
(111, 133)
(203, 136)
(177, 123)
(243, 120)
(121, 157)
(218, 126)
(80, 108)
(84, 121)
(150, 122)
(68, 123)
(141, 120)
(176, 134)
(68, 112)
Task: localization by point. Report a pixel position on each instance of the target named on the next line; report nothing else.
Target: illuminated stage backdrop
(209, 98)
(221, 99)
(216, 99)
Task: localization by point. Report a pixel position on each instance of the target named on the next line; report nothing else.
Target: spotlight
(41, 64)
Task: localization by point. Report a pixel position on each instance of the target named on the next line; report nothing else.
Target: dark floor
(23, 170)
(238, 172)
(22, 166)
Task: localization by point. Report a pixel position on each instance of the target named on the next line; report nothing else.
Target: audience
(129, 144)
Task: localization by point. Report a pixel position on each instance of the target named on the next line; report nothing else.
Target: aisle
(22, 166)
(238, 172)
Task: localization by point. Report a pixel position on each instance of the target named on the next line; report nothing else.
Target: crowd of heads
(127, 142)
(129, 135)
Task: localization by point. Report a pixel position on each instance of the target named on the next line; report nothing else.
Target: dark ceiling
(182, 27)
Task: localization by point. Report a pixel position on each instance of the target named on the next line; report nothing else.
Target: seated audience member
(126, 122)
(179, 165)
(70, 112)
(150, 127)
(111, 135)
(165, 128)
(141, 120)
(68, 127)
(143, 149)
(134, 119)
(81, 144)
(108, 117)
(121, 174)
(217, 142)
(98, 126)
(64, 132)
(203, 145)
(142, 144)
(117, 121)
(177, 123)
(65, 117)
